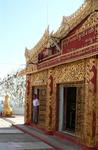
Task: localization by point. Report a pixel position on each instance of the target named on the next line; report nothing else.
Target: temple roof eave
(68, 24)
(72, 21)
(32, 53)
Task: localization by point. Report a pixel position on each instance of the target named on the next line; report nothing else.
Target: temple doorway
(67, 108)
(41, 93)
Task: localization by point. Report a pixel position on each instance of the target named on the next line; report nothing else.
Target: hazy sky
(23, 22)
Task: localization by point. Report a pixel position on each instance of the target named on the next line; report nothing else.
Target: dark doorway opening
(70, 108)
(67, 108)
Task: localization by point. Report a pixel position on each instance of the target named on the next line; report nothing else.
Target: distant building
(62, 69)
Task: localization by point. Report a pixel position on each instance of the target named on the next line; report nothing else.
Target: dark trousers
(35, 114)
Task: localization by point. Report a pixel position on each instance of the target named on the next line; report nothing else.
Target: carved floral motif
(73, 72)
(39, 78)
(83, 70)
(27, 115)
(69, 73)
(90, 102)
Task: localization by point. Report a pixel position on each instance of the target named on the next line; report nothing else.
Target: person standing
(35, 108)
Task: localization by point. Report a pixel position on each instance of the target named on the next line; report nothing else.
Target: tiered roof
(68, 23)
(32, 53)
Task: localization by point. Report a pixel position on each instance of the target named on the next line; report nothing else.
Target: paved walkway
(55, 142)
(15, 119)
(12, 138)
(5, 124)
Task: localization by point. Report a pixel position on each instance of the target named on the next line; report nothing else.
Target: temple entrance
(70, 92)
(41, 93)
(67, 108)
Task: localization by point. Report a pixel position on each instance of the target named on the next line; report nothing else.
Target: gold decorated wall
(39, 78)
(90, 102)
(33, 80)
(96, 105)
(75, 65)
(81, 74)
(68, 74)
(27, 105)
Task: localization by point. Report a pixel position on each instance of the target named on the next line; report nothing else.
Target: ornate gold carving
(39, 78)
(72, 72)
(72, 21)
(90, 96)
(79, 112)
(91, 21)
(68, 23)
(97, 104)
(49, 105)
(27, 112)
(69, 73)
(31, 68)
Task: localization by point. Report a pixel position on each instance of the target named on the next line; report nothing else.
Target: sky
(22, 24)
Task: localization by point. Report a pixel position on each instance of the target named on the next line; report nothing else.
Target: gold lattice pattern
(69, 73)
(27, 100)
(39, 78)
(91, 21)
(63, 74)
(89, 121)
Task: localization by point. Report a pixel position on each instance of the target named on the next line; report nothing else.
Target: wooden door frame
(77, 85)
(37, 87)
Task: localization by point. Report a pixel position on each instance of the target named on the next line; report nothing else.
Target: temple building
(62, 69)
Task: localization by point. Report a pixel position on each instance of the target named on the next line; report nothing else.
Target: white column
(61, 104)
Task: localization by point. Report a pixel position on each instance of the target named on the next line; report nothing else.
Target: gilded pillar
(49, 101)
(97, 107)
(27, 115)
(90, 103)
(79, 113)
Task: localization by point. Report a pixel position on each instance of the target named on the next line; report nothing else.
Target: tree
(14, 86)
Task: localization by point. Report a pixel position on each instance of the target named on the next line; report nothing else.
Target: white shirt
(36, 102)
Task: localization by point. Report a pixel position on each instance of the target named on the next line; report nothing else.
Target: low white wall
(18, 110)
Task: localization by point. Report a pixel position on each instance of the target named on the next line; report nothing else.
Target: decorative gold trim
(70, 22)
(31, 55)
